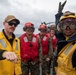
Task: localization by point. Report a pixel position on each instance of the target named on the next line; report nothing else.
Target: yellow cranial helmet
(68, 14)
(67, 19)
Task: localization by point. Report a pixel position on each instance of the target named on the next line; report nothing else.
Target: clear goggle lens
(70, 25)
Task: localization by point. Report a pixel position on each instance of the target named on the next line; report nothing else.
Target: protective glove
(61, 6)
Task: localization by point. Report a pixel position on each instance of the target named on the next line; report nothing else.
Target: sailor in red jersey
(45, 49)
(29, 50)
(53, 36)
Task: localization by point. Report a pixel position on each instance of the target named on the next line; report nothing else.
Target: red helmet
(28, 24)
(42, 26)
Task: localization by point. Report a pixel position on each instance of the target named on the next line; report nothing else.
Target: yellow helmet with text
(65, 18)
(67, 14)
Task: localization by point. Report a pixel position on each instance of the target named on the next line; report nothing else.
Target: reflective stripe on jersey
(2, 43)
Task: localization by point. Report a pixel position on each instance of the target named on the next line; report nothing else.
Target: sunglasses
(12, 23)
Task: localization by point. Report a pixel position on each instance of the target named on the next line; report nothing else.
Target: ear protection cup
(24, 29)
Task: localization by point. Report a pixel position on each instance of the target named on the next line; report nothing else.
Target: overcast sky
(35, 11)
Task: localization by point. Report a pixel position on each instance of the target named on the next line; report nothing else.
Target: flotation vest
(54, 41)
(65, 60)
(45, 44)
(29, 50)
(7, 67)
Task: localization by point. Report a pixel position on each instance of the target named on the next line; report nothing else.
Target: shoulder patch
(34, 39)
(44, 38)
(25, 39)
(3, 43)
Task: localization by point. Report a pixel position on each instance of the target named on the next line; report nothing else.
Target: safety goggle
(11, 23)
(70, 25)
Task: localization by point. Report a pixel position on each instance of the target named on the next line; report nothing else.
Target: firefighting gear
(42, 26)
(65, 60)
(67, 14)
(46, 48)
(29, 49)
(45, 52)
(68, 19)
(28, 25)
(57, 18)
(29, 54)
(71, 25)
(59, 14)
(61, 6)
(7, 67)
(54, 42)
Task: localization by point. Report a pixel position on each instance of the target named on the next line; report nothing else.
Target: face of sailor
(52, 32)
(69, 29)
(9, 27)
(43, 31)
(29, 30)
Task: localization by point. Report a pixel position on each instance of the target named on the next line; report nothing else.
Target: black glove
(61, 6)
